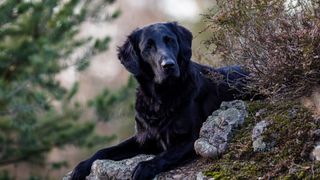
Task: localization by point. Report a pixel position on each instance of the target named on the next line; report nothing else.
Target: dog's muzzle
(168, 64)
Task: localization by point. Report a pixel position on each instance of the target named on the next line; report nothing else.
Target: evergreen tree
(119, 104)
(37, 38)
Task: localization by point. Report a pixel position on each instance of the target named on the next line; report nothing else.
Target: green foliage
(4, 175)
(277, 41)
(102, 45)
(37, 39)
(59, 165)
(114, 104)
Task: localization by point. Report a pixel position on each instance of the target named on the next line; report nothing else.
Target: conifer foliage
(37, 39)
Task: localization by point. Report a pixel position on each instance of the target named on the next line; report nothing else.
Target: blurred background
(64, 94)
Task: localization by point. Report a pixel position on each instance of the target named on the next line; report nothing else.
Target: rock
(67, 176)
(258, 129)
(177, 176)
(260, 112)
(259, 145)
(205, 149)
(315, 155)
(257, 138)
(200, 176)
(217, 130)
(109, 169)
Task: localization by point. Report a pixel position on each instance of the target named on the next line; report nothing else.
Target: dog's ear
(128, 53)
(184, 39)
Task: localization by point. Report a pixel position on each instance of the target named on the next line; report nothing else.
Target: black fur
(172, 101)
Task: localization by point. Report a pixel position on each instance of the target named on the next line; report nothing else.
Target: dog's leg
(126, 149)
(165, 161)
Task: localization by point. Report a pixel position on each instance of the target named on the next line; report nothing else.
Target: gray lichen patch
(109, 169)
(315, 155)
(217, 130)
(259, 144)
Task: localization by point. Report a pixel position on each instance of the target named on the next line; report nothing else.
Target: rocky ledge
(262, 140)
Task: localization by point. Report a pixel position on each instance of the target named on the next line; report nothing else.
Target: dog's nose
(167, 64)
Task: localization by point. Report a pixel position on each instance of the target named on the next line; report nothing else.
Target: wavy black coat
(169, 115)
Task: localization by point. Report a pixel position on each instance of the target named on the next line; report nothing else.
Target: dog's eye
(167, 39)
(149, 45)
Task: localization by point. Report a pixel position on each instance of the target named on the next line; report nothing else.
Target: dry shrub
(278, 41)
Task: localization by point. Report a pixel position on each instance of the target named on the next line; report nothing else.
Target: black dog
(174, 98)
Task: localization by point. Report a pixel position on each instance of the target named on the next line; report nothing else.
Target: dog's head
(159, 51)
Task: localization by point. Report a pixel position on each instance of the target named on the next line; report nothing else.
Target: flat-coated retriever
(174, 98)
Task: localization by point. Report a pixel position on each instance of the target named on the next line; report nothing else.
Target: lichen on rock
(293, 131)
(109, 169)
(258, 142)
(113, 170)
(217, 129)
(316, 153)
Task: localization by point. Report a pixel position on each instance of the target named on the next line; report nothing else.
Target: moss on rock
(291, 129)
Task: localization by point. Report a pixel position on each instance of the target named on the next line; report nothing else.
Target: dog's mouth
(166, 75)
(172, 71)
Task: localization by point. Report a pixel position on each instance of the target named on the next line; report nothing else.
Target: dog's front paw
(81, 171)
(144, 171)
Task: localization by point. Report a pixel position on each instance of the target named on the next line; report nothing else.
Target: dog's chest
(155, 121)
(153, 129)
(156, 113)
